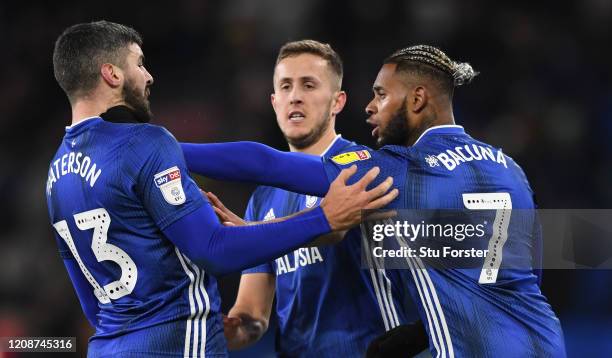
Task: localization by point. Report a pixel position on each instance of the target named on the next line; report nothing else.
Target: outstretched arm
(228, 218)
(257, 163)
(222, 249)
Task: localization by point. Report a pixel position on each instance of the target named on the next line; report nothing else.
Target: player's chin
(296, 134)
(381, 141)
(303, 140)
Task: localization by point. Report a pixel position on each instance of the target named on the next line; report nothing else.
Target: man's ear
(273, 101)
(339, 102)
(418, 99)
(112, 75)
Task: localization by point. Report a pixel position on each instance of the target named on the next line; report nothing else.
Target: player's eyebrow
(303, 79)
(308, 78)
(377, 88)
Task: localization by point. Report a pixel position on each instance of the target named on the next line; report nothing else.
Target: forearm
(222, 249)
(250, 330)
(248, 319)
(256, 163)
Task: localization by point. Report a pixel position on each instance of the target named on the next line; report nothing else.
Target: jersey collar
(82, 123)
(331, 145)
(337, 145)
(121, 114)
(444, 129)
(117, 114)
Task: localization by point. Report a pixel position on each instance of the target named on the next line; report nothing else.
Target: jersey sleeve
(155, 162)
(252, 215)
(257, 163)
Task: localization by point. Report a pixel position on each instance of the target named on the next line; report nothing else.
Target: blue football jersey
(469, 312)
(111, 189)
(326, 305)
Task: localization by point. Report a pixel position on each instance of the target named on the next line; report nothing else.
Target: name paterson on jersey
(452, 158)
(75, 163)
(301, 257)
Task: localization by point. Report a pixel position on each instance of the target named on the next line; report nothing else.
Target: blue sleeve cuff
(265, 268)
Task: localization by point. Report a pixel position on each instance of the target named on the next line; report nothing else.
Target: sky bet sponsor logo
(169, 183)
(164, 179)
(452, 158)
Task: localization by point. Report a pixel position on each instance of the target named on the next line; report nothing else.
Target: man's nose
(295, 96)
(149, 78)
(370, 108)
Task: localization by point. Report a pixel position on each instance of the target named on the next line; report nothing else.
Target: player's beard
(397, 131)
(310, 138)
(137, 102)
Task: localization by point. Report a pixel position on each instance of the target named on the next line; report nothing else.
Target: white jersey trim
(331, 145)
(382, 289)
(198, 309)
(81, 121)
(438, 329)
(436, 127)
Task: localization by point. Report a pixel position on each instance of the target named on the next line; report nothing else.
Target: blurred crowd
(544, 94)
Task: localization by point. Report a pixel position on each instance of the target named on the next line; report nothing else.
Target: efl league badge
(311, 201)
(350, 157)
(169, 182)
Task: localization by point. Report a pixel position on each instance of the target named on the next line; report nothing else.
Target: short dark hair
(82, 48)
(432, 63)
(323, 50)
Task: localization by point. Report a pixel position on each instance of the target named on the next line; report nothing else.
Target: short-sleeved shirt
(326, 304)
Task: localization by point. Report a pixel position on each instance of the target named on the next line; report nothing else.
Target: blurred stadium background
(544, 95)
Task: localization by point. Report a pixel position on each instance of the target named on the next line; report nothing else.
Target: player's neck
(320, 146)
(441, 119)
(92, 106)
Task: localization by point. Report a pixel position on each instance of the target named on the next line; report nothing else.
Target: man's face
(138, 80)
(387, 111)
(305, 91)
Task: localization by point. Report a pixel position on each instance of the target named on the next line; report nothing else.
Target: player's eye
(309, 85)
(284, 86)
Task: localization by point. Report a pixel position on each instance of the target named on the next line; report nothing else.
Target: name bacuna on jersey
(452, 158)
(76, 163)
(301, 257)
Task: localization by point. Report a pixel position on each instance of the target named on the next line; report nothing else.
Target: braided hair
(434, 63)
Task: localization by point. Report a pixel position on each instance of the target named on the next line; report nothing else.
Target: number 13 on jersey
(99, 220)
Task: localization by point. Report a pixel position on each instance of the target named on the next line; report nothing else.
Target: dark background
(544, 94)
